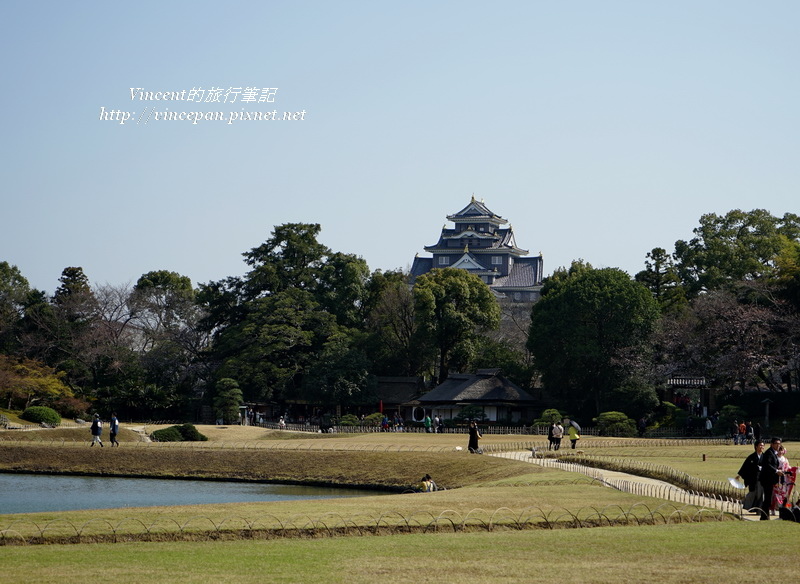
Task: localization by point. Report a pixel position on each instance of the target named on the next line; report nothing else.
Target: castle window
(444, 260)
(497, 260)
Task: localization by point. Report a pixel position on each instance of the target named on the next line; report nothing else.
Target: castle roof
(476, 212)
(481, 245)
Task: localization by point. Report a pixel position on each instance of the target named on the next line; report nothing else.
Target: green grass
(668, 554)
(710, 553)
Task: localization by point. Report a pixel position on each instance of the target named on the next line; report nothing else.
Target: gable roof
(397, 390)
(476, 211)
(483, 387)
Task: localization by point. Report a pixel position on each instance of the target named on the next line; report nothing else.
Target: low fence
(700, 492)
(487, 429)
(269, 526)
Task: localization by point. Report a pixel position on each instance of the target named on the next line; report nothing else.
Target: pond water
(25, 493)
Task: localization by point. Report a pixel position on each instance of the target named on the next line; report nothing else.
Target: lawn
(711, 553)
(491, 524)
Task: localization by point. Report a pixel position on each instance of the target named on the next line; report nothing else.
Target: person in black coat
(474, 436)
(750, 472)
(770, 474)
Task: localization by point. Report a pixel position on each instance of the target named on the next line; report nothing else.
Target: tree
(589, 333)
(339, 375)
(450, 306)
(788, 267)
(515, 364)
(735, 247)
(14, 295)
(341, 288)
(291, 258)
(26, 382)
(75, 292)
(274, 324)
(394, 344)
(661, 278)
(161, 300)
(227, 399)
(271, 349)
(731, 341)
(169, 319)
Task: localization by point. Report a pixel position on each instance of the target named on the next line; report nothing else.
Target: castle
(480, 244)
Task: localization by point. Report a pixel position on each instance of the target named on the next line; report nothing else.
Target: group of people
(433, 425)
(97, 430)
(556, 432)
(768, 477)
(745, 432)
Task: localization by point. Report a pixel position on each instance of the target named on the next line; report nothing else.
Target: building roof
(479, 245)
(476, 210)
(484, 387)
(421, 266)
(398, 390)
(526, 273)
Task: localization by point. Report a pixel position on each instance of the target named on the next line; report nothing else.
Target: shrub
(191, 434)
(41, 414)
(471, 412)
(182, 433)
(72, 408)
(349, 420)
(171, 434)
(615, 424)
(374, 419)
(548, 417)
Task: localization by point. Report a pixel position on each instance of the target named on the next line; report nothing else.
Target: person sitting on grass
(427, 485)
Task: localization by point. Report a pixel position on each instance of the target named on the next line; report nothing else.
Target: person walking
(113, 429)
(97, 430)
(474, 436)
(572, 432)
(749, 473)
(558, 433)
(770, 475)
(757, 431)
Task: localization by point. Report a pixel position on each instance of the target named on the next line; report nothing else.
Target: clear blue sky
(598, 129)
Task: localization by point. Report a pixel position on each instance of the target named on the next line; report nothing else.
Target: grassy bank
(397, 470)
(711, 553)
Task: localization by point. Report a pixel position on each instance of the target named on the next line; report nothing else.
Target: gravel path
(630, 483)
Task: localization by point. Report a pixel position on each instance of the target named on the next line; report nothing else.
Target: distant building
(498, 398)
(481, 245)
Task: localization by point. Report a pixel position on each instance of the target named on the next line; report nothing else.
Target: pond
(25, 493)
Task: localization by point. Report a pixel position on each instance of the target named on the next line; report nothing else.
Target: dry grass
(396, 470)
